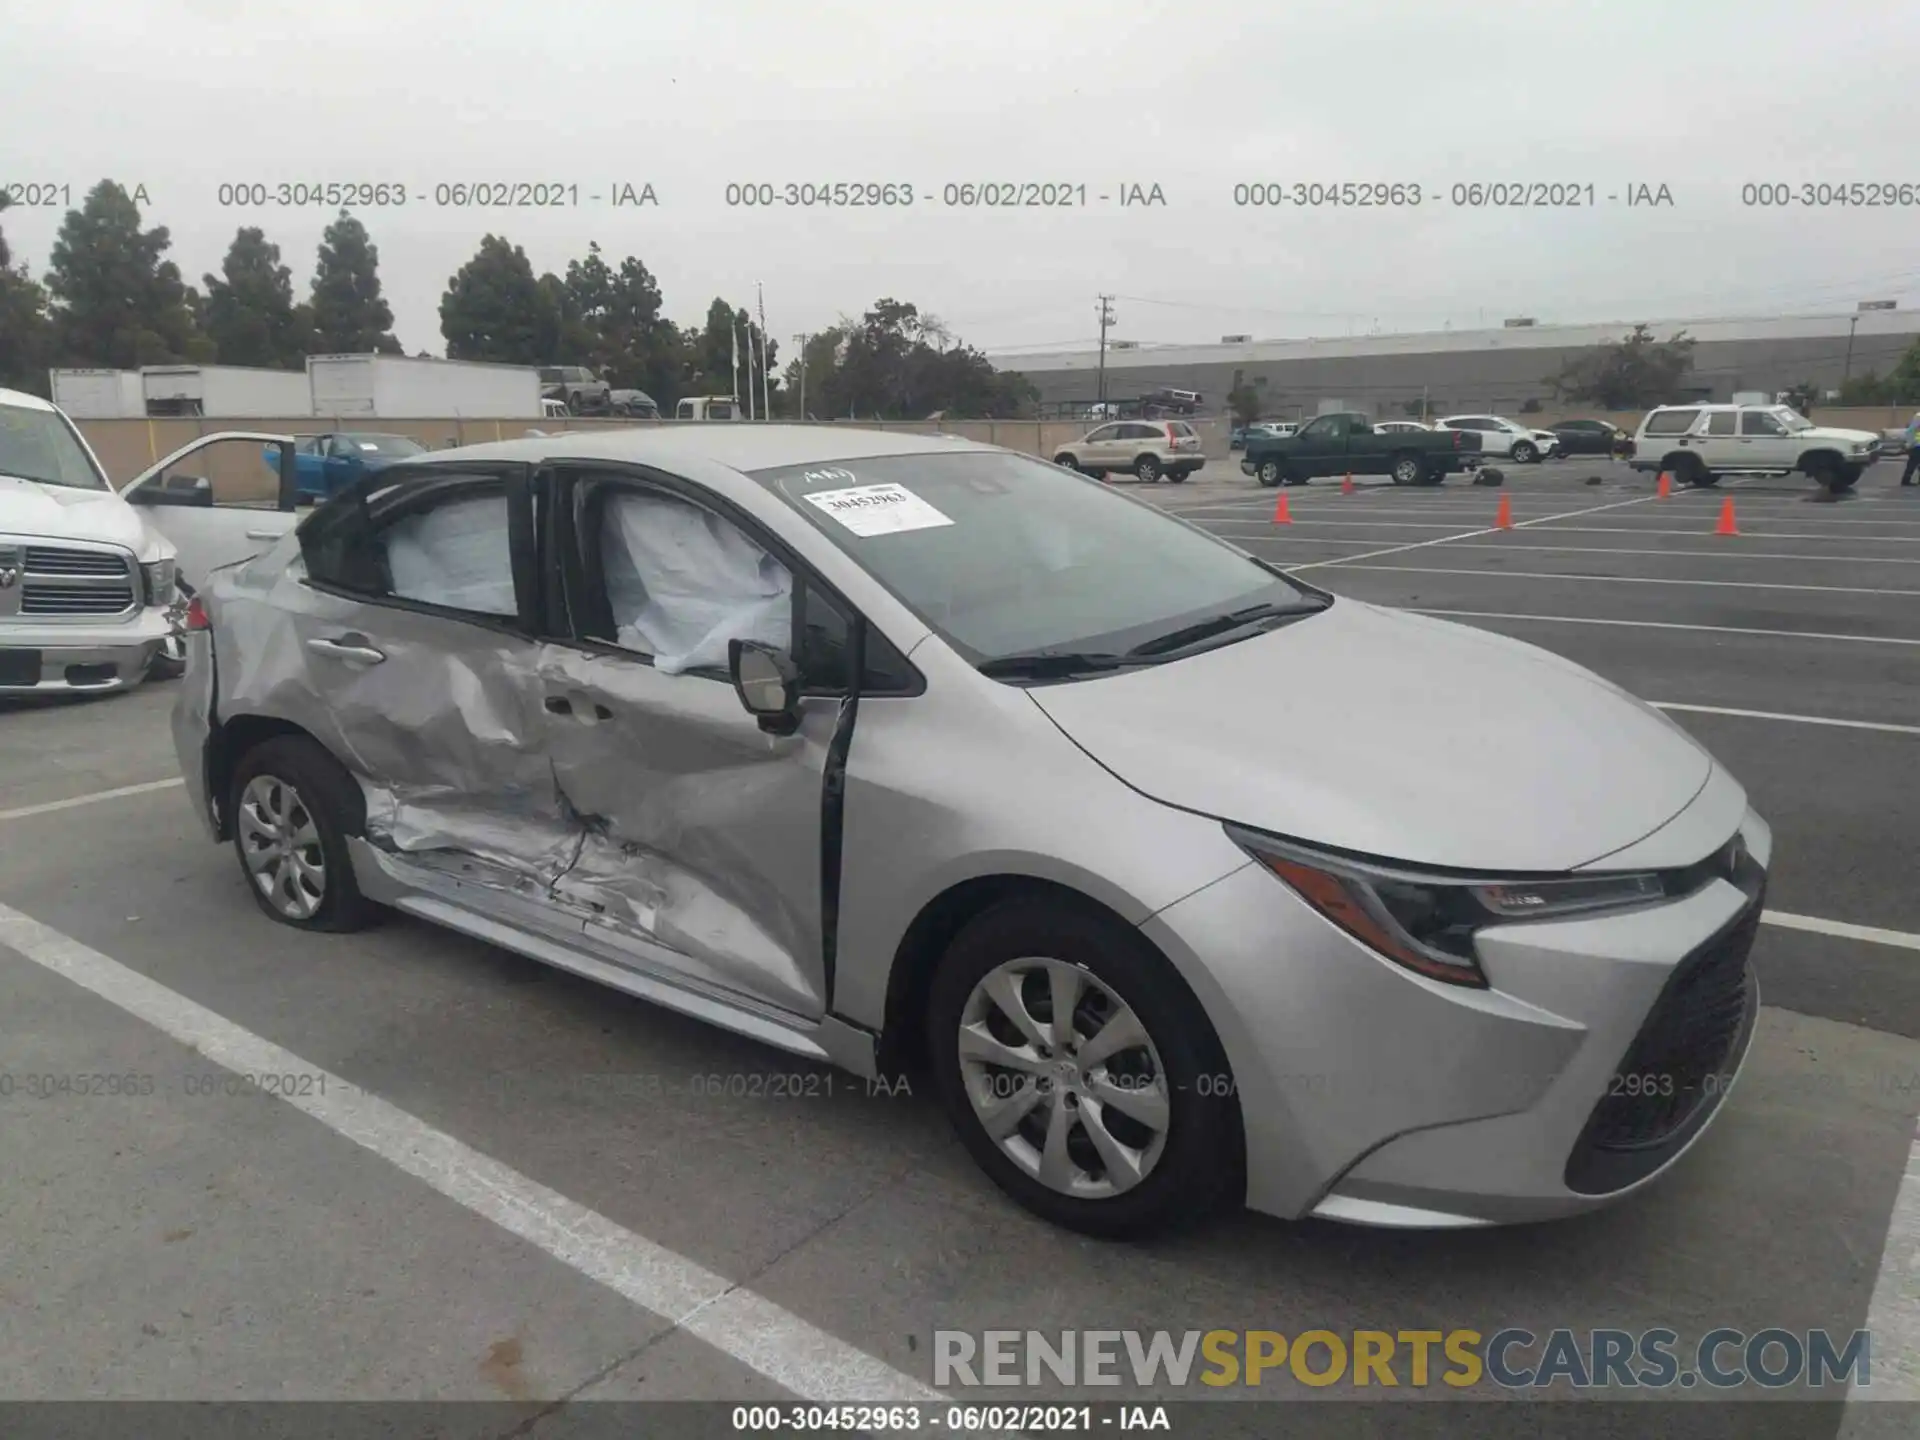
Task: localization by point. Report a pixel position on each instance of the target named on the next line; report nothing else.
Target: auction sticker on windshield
(878, 509)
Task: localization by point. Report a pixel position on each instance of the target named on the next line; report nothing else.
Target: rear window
(1180, 427)
(1671, 422)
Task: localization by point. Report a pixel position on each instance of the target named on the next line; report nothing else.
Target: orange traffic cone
(1665, 488)
(1346, 485)
(1503, 518)
(1280, 515)
(1726, 525)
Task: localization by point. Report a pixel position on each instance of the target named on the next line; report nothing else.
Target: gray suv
(576, 387)
(912, 755)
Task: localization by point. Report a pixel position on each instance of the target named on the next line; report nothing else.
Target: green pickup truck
(1346, 443)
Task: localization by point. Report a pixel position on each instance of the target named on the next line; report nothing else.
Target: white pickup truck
(94, 582)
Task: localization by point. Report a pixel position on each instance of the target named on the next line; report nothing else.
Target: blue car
(324, 464)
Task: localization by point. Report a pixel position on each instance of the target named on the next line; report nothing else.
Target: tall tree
(349, 314)
(711, 348)
(250, 313)
(24, 329)
(494, 309)
(1626, 374)
(117, 301)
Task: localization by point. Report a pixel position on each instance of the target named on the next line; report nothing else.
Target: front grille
(1678, 1067)
(52, 582)
(55, 597)
(52, 560)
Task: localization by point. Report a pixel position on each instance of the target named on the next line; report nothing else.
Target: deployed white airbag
(683, 582)
(455, 554)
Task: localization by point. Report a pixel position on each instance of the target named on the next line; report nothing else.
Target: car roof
(24, 400)
(743, 446)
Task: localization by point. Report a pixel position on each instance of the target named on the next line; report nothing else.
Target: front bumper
(87, 658)
(1373, 1095)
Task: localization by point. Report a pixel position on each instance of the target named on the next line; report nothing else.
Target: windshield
(1005, 555)
(1791, 418)
(41, 445)
(394, 445)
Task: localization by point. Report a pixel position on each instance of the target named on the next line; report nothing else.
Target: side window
(1759, 422)
(1721, 422)
(676, 582)
(1104, 433)
(824, 648)
(1671, 422)
(441, 541)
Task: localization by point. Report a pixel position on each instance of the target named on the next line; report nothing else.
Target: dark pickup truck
(1346, 443)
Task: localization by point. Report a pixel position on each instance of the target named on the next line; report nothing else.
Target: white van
(708, 407)
(94, 583)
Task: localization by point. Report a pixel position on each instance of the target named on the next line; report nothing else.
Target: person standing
(1911, 475)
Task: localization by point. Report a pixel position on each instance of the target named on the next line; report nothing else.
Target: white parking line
(787, 1350)
(1746, 532)
(1602, 579)
(1657, 625)
(20, 812)
(1468, 535)
(1613, 550)
(1887, 726)
(1872, 934)
(1893, 1314)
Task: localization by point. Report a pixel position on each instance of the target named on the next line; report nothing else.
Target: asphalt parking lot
(491, 1181)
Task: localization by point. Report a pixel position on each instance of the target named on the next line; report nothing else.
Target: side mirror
(768, 684)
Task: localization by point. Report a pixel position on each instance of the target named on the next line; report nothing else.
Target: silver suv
(1148, 449)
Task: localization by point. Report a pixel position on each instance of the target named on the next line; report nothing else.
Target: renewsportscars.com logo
(1512, 1358)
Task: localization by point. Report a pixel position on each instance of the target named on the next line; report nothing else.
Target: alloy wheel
(1064, 1078)
(280, 842)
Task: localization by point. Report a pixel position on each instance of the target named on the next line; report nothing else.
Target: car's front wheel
(1081, 1073)
(1066, 461)
(1525, 453)
(1270, 473)
(293, 807)
(170, 660)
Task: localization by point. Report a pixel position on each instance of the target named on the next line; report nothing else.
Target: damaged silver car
(893, 750)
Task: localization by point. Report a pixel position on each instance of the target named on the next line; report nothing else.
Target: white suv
(1697, 444)
(1500, 436)
(94, 584)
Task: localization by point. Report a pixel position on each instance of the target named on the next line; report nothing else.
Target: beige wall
(238, 471)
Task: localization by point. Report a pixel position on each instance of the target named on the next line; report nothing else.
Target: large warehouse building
(1469, 370)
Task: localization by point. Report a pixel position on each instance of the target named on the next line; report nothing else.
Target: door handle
(350, 648)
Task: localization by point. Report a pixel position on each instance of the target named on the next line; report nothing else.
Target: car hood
(1396, 736)
(60, 512)
(1828, 432)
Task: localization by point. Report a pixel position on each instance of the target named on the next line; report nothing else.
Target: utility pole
(1847, 370)
(800, 347)
(766, 383)
(1106, 319)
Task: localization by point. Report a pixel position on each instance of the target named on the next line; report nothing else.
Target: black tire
(573, 405)
(1409, 470)
(1066, 462)
(337, 808)
(1525, 452)
(1201, 1169)
(1688, 470)
(1271, 473)
(1146, 469)
(1178, 477)
(1831, 476)
(170, 660)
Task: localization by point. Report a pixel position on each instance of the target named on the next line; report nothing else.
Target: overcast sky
(1197, 96)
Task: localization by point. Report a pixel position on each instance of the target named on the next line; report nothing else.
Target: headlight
(1427, 922)
(159, 577)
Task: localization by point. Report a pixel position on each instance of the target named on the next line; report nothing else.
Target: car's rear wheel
(1409, 470)
(1270, 473)
(293, 807)
(1147, 469)
(1688, 470)
(170, 660)
(1081, 1073)
(1525, 453)
(1178, 477)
